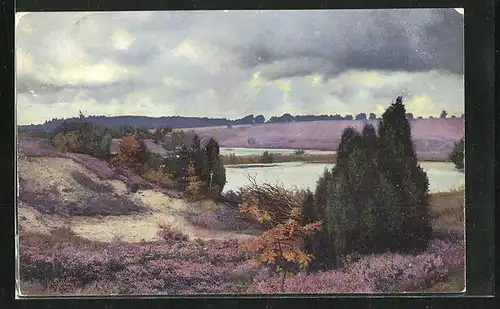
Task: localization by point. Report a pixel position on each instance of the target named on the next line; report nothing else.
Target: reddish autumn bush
(129, 152)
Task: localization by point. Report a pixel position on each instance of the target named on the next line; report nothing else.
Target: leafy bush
(457, 155)
(66, 142)
(161, 178)
(299, 152)
(91, 138)
(130, 153)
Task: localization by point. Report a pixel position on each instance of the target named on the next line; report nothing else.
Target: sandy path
(45, 172)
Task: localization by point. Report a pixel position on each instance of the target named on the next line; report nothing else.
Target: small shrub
(129, 151)
(170, 234)
(163, 179)
(267, 157)
(299, 152)
(66, 142)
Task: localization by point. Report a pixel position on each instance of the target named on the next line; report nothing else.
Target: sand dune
(48, 186)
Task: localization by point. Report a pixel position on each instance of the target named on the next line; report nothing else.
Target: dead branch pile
(274, 204)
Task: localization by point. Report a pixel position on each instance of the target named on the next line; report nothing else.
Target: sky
(235, 63)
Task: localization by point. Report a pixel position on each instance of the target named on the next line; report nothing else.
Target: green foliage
(219, 178)
(315, 245)
(91, 139)
(103, 150)
(457, 155)
(398, 163)
(121, 131)
(375, 198)
(299, 152)
(216, 172)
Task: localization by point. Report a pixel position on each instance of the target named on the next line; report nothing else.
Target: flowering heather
(68, 263)
(377, 273)
(79, 265)
(65, 263)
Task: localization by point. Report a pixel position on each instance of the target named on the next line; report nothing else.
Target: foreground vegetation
(370, 226)
(65, 264)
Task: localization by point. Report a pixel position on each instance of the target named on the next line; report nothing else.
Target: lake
(442, 175)
(226, 151)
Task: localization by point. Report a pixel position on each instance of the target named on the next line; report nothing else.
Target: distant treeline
(180, 122)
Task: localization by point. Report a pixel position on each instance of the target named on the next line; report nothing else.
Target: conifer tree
(399, 166)
(216, 171)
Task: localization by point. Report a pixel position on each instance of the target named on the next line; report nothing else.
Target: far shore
(311, 158)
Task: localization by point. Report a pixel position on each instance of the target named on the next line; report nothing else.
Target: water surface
(442, 175)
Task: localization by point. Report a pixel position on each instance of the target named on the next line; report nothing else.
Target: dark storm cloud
(226, 63)
(395, 40)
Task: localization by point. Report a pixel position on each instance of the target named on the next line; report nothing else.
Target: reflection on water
(442, 175)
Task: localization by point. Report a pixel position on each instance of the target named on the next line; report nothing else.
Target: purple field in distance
(429, 135)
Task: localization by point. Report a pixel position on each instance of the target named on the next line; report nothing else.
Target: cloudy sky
(234, 63)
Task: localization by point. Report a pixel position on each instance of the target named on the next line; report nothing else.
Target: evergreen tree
(200, 159)
(398, 163)
(311, 244)
(215, 169)
(341, 210)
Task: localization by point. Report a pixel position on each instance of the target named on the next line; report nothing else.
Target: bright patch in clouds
(104, 72)
(122, 39)
(215, 64)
